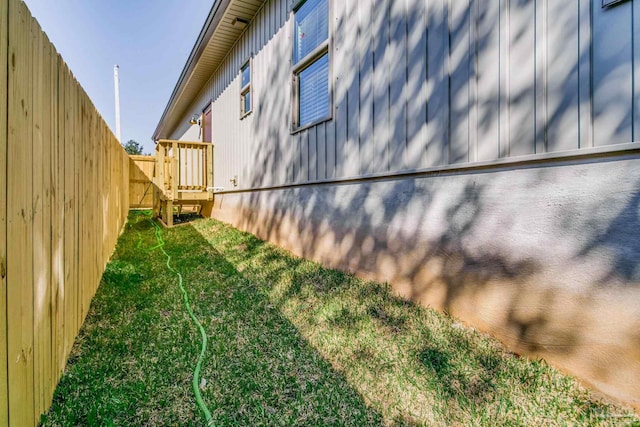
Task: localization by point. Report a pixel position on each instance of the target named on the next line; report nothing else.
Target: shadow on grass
(411, 364)
(291, 343)
(133, 360)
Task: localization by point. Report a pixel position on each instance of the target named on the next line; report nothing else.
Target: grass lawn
(290, 343)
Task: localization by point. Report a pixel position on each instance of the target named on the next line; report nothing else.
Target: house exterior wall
(480, 158)
(428, 83)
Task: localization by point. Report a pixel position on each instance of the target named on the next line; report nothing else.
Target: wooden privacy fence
(63, 202)
(141, 170)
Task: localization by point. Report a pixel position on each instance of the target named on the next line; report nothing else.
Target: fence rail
(63, 202)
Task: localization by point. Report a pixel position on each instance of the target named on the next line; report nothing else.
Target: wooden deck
(182, 176)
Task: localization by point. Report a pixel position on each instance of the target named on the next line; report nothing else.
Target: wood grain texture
(20, 218)
(64, 188)
(4, 395)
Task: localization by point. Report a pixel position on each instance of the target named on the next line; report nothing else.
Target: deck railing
(187, 167)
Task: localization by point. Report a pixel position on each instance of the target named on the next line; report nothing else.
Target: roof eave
(213, 19)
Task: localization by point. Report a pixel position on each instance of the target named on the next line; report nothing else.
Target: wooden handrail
(183, 166)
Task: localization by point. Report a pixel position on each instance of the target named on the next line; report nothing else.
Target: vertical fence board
(69, 212)
(39, 243)
(56, 218)
(59, 218)
(19, 220)
(4, 395)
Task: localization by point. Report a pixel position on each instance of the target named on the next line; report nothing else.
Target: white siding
(422, 83)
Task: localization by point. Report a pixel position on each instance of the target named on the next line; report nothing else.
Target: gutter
(210, 25)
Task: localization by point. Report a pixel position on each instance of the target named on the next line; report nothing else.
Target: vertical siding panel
(612, 74)
(346, 75)
(438, 81)
(281, 9)
(460, 51)
(473, 81)
(585, 114)
(19, 211)
(265, 145)
(416, 86)
(259, 144)
(635, 31)
(264, 26)
(297, 158)
(330, 128)
(563, 50)
(505, 96)
(397, 62)
(273, 6)
(381, 124)
(521, 77)
(294, 145)
(349, 162)
(4, 394)
(313, 154)
(290, 141)
(488, 60)
(321, 149)
(330, 161)
(284, 93)
(262, 170)
(541, 76)
(304, 158)
(277, 112)
(365, 127)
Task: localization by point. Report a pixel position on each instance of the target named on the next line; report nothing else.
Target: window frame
(296, 68)
(248, 88)
(610, 3)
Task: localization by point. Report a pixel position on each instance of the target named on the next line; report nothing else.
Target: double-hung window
(311, 63)
(246, 103)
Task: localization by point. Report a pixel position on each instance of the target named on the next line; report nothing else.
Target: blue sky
(149, 40)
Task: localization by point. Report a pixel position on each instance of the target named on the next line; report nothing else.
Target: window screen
(311, 27)
(314, 91)
(312, 97)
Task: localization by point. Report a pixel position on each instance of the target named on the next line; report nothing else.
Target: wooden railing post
(209, 181)
(160, 154)
(175, 178)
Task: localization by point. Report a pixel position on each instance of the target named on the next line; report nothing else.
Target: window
(245, 89)
(311, 63)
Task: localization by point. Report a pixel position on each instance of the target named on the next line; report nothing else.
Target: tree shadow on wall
(431, 234)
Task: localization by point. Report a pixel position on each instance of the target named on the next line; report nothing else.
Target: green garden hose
(203, 335)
